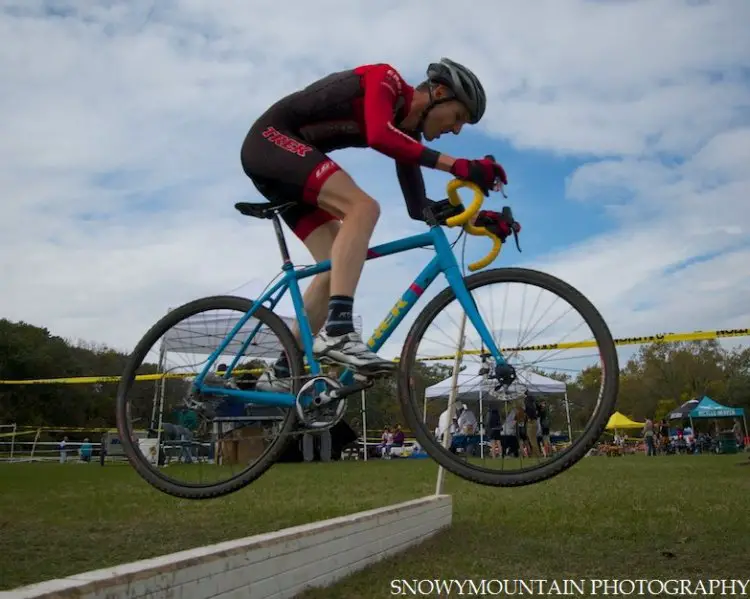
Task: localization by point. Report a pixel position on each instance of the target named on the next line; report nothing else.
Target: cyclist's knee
(341, 195)
(369, 208)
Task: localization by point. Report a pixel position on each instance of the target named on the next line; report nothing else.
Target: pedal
(343, 392)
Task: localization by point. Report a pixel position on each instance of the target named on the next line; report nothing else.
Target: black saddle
(261, 209)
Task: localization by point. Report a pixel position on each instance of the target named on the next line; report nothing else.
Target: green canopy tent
(708, 408)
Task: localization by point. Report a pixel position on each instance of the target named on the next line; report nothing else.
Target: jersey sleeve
(382, 90)
(412, 186)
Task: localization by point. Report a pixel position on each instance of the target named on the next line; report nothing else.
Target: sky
(624, 127)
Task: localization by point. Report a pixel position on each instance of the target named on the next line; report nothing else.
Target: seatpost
(280, 238)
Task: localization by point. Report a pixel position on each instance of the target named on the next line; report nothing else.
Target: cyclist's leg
(338, 197)
(284, 168)
(339, 342)
(317, 230)
(360, 213)
(319, 243)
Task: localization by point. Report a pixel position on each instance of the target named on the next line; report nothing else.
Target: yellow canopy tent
(618, 421)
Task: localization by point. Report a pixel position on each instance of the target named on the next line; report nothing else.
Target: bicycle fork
(504, 372)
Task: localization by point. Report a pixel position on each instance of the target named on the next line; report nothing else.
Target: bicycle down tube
(444, 261)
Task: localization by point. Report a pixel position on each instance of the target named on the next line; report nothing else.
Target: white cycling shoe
(349, 350)
(270, 382)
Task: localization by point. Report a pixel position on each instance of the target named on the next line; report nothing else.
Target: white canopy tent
(201, 335)
(471, 385)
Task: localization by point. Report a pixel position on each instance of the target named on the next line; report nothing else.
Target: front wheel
(538, 426)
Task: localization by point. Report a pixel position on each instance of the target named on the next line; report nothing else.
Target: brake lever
(515, 237)
(498, 184)
(508, 214)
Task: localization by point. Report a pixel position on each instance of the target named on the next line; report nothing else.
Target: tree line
(657, 379)
(660, 377)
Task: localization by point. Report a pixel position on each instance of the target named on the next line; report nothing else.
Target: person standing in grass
(737, 430)
(63, 450)
(648, 435)
(495, 430)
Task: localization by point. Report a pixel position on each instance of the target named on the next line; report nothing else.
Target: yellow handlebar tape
(465, 217)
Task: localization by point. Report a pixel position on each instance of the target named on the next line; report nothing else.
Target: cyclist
(285, 155)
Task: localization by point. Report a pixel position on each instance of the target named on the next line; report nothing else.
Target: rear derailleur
(204, 404)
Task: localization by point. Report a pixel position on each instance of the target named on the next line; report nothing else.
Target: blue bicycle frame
(444, 262)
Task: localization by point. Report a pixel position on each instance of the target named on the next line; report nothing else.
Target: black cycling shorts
(284, 169)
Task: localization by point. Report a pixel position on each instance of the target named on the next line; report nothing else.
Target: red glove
(485, 173)
(497, 223)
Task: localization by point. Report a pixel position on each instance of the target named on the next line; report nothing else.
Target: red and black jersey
(360, 108)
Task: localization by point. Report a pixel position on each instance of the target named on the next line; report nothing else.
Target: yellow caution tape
(81, 380)
(18, 432)
(658, 338)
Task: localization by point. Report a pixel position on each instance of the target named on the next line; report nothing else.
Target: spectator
(85, 450)
(509, 439)
(495, 432)
(543, 428)
(663, 436)
(737, 431)
(688, 434)
(532, 415)
(63, 451)
(523, 439)
(648, 435)
(398, 437)
(467, 425)
(443, 425)
(467, 421)
(386, 442)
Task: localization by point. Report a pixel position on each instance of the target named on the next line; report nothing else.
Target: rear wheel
(167, 431)
(542, 376)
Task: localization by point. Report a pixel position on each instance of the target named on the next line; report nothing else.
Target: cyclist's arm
(382, 90)
(412, 185)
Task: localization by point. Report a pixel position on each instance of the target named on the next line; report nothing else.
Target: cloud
(683, 234)
(122, 123)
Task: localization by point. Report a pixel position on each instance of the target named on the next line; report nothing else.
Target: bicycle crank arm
(342, 392)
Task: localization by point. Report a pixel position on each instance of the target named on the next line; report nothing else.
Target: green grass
(669, 517)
